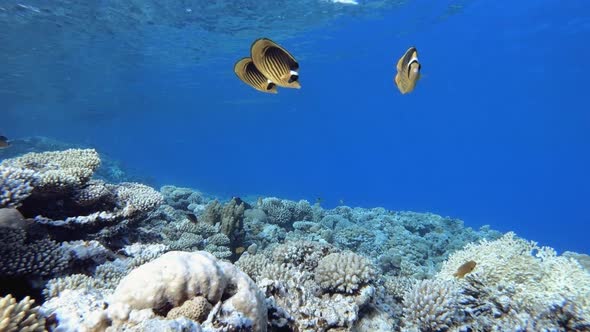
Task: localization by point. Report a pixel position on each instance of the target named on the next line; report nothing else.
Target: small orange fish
(465, 269)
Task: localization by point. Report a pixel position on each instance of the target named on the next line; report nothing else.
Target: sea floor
(87, 247)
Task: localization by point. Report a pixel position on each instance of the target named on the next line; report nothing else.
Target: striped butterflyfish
(276, 63)
(249, 74)
(408, 71)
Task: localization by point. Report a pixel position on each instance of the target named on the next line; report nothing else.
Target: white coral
(430, 305)
(178, 276)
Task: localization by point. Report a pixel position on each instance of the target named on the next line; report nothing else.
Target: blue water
(497, 131)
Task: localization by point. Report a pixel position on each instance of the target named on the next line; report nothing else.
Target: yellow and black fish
(249, 74)
(408, 71)
(275, 63)
(4, 142)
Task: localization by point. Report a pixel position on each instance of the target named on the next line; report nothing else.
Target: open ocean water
(496, 134)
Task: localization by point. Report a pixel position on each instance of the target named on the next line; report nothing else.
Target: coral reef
(313, 287)
(100, 256)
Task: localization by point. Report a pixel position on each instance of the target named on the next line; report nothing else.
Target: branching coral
(20, 316)
(292, 274)
(16, 184)
(59, 170)
(344, 272)
(534, 278)
(430, 305)
(20, 256)
(285, 212)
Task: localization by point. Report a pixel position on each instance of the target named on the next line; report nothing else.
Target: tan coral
(176, 277)
(22, 316)
(344, 272)
(538, 277)
(195, 309)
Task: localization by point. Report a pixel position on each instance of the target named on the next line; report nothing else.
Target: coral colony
(78, 253)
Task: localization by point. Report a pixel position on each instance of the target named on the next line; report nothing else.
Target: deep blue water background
(497, 131)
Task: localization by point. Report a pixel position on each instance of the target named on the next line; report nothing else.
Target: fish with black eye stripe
(408, 71)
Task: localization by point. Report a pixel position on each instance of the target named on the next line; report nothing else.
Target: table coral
(16, 184)
(59, 170)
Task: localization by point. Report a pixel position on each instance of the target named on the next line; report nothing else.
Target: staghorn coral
(20, 316)
(344, 272)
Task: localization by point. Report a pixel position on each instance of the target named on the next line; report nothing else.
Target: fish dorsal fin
(249, 74)
(407, 59)
(275, 62)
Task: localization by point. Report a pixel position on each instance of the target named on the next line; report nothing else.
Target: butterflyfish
(275, 63)
(249, 74)
(408, 71)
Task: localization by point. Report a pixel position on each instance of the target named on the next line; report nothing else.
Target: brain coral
(175, 277)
